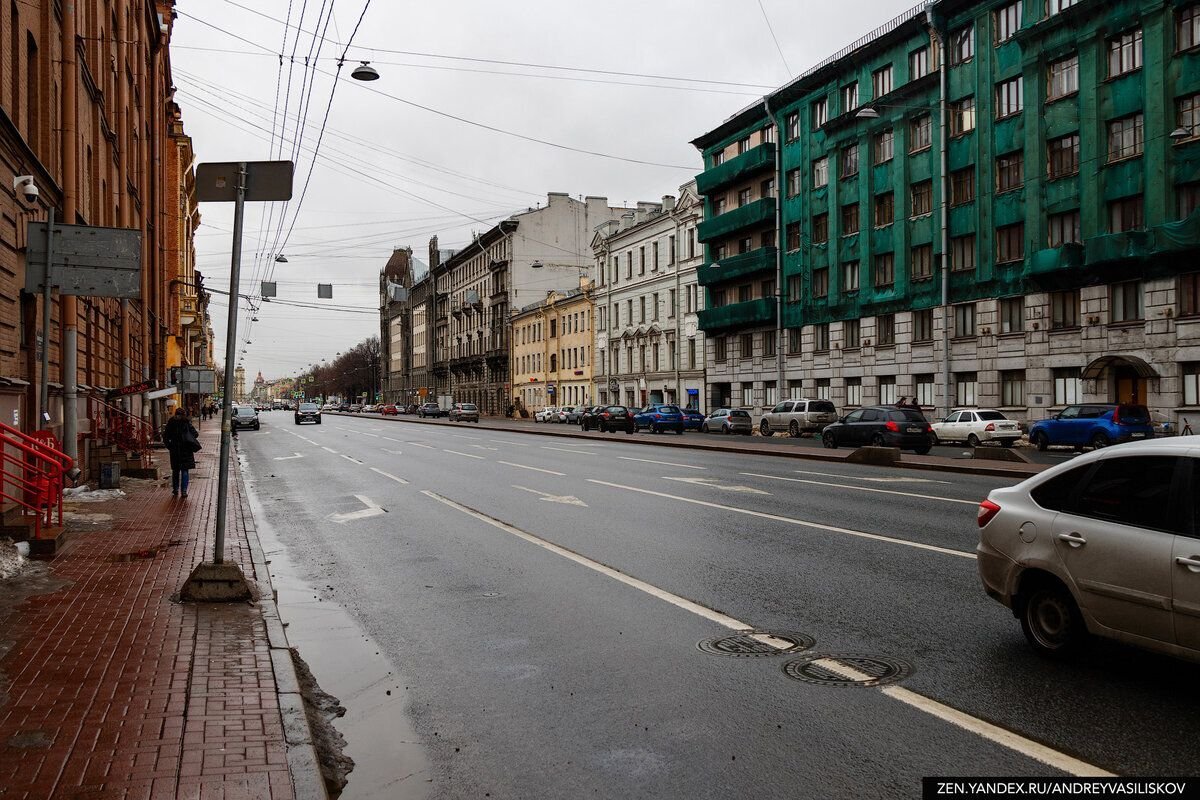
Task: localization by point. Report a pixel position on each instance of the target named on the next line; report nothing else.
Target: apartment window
(964, 320)
(920, 133)
(1191, 384)
(820, 113)
(850, 97)
(1057, 6)
(1187, 28)
(821, 337)
(854, 391)
(921, 262)
(918, 63)
(1125, 137)
(767, 288)
(718, 158)
(962, 252)
(1012, 315)
(1063, 228)
(852, 333)
(885, 270)
(745, 244)
(881, 81)
(850, 276)
(671, 249)
(962, 45)
(923, 325)
(654, 257)
(794, 339)
(823, 392)
(792, 236)
(885, 332)
(671, 304)
(1068, 387)
(1009, 97)
(1125, 53)
(1064, 155)
(849, 161)
(850, 219)
(962, 116)
(743, 145)
(718, 206)
(743, 199)
(1010, 171)
(820, 282)
(887, 390)
(793, 182)
(767, 188)
(922, 198)
(1063, 78)
(1064, 309)
(720, 349)
(1126, 214)
(924, 384)
(795, 288)
(654, 307)
(966, 388)
(1125, 302)
(746, 345)
(1187, 116)
(745, 292)
(1010, 243)
(883, 146)
(769, 347)
(691, 353)
(641, 310)
(791, 127)
(820, 168)
(885, 209)
(1007, 21)
(962, 186)
(820, 229)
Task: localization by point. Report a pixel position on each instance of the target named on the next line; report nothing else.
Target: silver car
(727, 421)
(464, 412)
(1105, 544)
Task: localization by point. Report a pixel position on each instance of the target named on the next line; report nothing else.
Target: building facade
(649, 348)
(552, 351)
(979, 204)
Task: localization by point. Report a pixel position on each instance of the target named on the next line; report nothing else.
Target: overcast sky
(390, 173)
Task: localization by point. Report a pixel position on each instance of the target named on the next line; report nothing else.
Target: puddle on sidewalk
(389, 760)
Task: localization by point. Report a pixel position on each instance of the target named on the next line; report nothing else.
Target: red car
(389, 409)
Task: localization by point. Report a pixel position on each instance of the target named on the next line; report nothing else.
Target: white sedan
(976, 426)
(547, 414)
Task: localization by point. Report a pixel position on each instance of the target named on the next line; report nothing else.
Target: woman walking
(182, 443)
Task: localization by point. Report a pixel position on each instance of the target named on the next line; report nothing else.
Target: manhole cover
(847, 670)
(754, 644)
(492, 594)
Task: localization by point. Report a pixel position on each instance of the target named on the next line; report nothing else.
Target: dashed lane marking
(330, 449)
(535, 469)
(393, 452)
(514, 444)
(865, 478)
(389, 475)
(426, 446)
(348, 458)
(862, 488)
(565, 450)
(457, 453)
(288, 458)
(664, 463)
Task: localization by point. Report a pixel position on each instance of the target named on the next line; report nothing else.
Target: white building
(649, 348)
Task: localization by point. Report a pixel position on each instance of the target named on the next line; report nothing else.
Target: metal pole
(944, 220)
(44, 415)
(235, 266)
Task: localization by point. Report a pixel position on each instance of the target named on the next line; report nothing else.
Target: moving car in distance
(245, 417)
(659, 417)
(430, 410)
(1093, 425)
(728, 421)
(976, 426)
(464, 412)
(616, 418)
(798, 417)
(308, 412)
(881, 426)
(1103, 545)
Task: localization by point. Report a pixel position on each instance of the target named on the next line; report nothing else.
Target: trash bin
(110, 475)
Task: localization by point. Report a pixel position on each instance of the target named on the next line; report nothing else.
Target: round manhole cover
(847, 669)
(755, 644)
(491, 594)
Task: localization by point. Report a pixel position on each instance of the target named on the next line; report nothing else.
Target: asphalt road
(542, 602)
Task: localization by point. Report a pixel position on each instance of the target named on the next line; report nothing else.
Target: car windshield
(669, 409)
(822, 407)
(990, 415)
(468, 407)
(245, 411)
(737, 412)
(308, 406)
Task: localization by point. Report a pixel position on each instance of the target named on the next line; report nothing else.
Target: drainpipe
(677, 312)
(778, 255)
(943, 113)
(124, 124)
(69, 305)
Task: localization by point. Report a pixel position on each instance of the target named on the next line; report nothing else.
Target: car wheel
(1100, 440)
(318, 421)
(877, 441)
(794, 430)
(603, 427)
(829, 440)
(972, 440)
(922, 451)
(630, 430)
(679, 430)
(1051, 621)
(1040, 441)
(764, 428)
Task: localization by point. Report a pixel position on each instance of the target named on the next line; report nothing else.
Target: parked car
(1104, 544)
(245, 417)
(881, 426)
(797, 417)
(370, 408)
(571, 414)
(430, 410)
(547, 414)
(1093, 424)
(308, 412)
(976, 426)
(343, 407)
(389, 410)
(464, 412)
(590, 418)
(659, 417)
(616, 418)
(727, 421)
(692, 419)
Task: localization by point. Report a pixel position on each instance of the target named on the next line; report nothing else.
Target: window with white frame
(924, 389)
(966, 388)
(1068, 386)
(1125, 301)
(1062, 78)
(854, 391)
(1125, 137)
(823, 392)
(1010, 97)
(1012, 387)
(1125, 53)
(918, 63)
(770, 393)
(850, 97)
(791, 127)
(887, 389)
(1012, 314)
(820, 171)
(1191, 384)
(962, 45)
(820, 113)
(747, 394)
(881, 81)
(1007, 21)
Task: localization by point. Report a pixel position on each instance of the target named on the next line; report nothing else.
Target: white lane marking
(603, 569)
(426, 446)
(457, 453)
(305, 438)
(288, 458)
(565, 450)
(484, 447)
(713, 483)
(664, 463)
(535, 469)
(372, 435)
(514, 444)
(863, 488)
(566, 499)
(463, 436)
(371, 510)
(864, 478)
(393, 452)
(390, 439)
(792, 521)
(348, 458)
(388, 475)
(330, 449)
(986, 730)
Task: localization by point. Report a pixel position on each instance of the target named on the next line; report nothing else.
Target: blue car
(1093, 425)
(692, 419)
(659, 417)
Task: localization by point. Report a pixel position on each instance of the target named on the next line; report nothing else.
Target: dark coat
(182, 456)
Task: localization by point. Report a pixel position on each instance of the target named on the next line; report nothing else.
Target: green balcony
(738, 315)
(1055, 259)
(1126, 246)
(750, 214)
(1179, 236)
(739, 266)
(751, 161)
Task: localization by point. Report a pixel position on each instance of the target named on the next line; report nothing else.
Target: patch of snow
(85, 494)
(11, 560)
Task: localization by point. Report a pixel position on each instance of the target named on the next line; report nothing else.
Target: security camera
(25, 185)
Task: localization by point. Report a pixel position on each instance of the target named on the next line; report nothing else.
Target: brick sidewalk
(115, 691)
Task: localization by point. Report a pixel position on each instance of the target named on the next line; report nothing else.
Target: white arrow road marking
(993, 733)
(664, 463)
(714, 483)
(863, 478)
(389, 475)
(863, 489)
(348, 458)
(535, 469)
(371, 510)
(566, 499)
(288, 458)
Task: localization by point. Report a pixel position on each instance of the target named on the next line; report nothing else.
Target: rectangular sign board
(265, 180)
(133, 388)
(194, 380)
(89, 261)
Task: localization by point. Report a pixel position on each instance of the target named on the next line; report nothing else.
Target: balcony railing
(737, 315)
(749, 162)
(738, 266)
(759, 211)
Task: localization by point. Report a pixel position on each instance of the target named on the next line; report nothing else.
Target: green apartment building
(978, 204)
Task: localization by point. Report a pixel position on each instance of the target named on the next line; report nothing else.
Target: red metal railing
(35, 476)
(116, 426)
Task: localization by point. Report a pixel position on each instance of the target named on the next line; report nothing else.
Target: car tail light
(658, 416)
(987, 510)
(1117, 415)
(893, 427)
(991, 426)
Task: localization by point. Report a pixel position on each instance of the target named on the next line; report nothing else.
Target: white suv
(796, 417)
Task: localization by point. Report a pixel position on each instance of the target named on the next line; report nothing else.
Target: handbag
(189, 439)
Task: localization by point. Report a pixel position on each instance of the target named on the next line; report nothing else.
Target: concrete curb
(1018, 471)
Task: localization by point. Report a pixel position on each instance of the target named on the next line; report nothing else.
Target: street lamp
(280, 258)
(1182, 132)
(364, 72)
(866, 112)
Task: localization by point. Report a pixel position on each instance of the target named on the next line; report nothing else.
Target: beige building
(552, 351)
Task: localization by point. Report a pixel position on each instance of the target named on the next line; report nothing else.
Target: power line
(775, 39)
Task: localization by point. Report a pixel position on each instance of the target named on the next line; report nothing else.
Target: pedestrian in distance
(182, 441)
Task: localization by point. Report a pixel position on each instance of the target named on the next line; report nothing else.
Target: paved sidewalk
(113, 690)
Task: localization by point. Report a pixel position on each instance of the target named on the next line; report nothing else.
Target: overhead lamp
(866, 112)
(364, 72)
(254, 319)
(1180, 133)
(281, 259)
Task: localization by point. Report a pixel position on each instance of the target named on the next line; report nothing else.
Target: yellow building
(552, 351)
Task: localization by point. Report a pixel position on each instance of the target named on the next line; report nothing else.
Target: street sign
(265, 180)
(194, 380)
(133, 388)
(90, 261)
